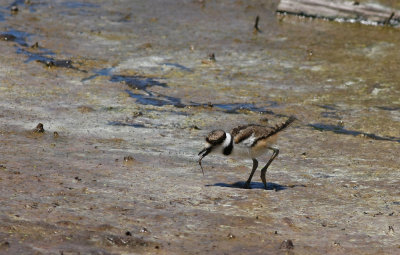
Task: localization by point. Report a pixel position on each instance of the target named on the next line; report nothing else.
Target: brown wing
(260, 132)
(243, 132)
(270, 131)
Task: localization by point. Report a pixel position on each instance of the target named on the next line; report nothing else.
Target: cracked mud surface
(126, 92)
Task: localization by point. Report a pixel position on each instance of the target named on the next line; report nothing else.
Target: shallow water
(130, 89)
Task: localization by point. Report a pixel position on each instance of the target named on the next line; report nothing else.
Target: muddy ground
(126, 91)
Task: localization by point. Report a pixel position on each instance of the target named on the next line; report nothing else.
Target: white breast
(241, 151)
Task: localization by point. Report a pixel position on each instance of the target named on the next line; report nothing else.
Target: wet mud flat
(126, 97)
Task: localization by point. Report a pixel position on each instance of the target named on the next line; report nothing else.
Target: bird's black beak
(204, 153)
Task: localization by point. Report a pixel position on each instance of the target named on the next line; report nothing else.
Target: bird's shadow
(253, 185)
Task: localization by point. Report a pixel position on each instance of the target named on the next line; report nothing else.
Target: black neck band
(228, 150)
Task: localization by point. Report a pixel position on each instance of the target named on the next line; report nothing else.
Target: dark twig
(387, 21)
(256, 28)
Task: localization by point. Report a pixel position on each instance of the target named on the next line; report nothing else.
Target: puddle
(159, 100)
(97, 73)
(119, 123)
(34, 56)
(76, 4)
(340, 130)
(137, 82)
(15, 36)
(16, 2)
(181, 67)
(243, 107)
(40, 56)
(76, 8)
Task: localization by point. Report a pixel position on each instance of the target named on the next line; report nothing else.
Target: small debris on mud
(336, 243)
(211, 57)
(129, 159)
(231, 236)
(49, 62)
(127, 241)
(35, 45)
(144, 230)
(210, 60)
(14, 9)
(7, 37)
(128, 233)
(56, 135)
(287, 244)
(85, 109)
(137, 114)
(39, 129)
(5, 244)
(145, 46)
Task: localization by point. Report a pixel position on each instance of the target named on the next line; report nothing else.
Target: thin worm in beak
(206, 151)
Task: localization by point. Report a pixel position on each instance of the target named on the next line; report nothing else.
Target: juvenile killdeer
(248, 141)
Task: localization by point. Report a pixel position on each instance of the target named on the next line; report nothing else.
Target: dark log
(341, 11)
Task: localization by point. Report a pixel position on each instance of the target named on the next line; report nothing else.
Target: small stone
(14, 9)
(128, 233)
(5, 244)
(211, 57)
(7, 37)
(287, 244)
(128, 159)
(35, 45)
(231, 236)
(144, 230)
(55, 134)
(39, 128)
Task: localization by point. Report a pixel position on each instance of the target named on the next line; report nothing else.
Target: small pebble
(39, 128)
(128, 159)
(144, 230)
(14, 9)
(287, 244)
(231, 236)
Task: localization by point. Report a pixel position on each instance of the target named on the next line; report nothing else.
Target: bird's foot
(247, 185)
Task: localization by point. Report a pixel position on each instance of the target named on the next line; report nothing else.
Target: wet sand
(126, 93)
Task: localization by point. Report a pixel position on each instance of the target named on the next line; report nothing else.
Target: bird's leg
(255, 165)
(264, 169)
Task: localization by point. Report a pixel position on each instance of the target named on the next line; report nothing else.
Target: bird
(245, 141)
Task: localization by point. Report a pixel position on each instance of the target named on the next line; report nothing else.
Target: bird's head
(217, 140)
